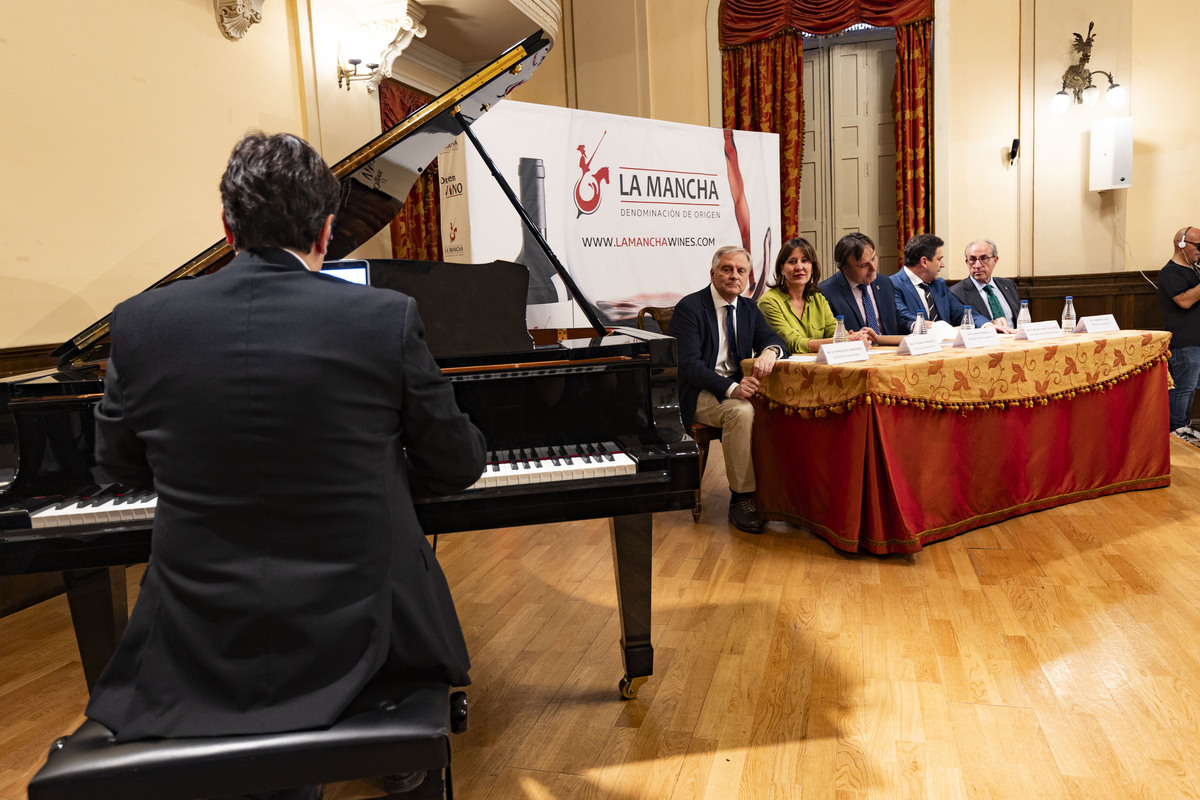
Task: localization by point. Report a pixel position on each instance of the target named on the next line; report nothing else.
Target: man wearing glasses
(993, 298)
(1178, 295)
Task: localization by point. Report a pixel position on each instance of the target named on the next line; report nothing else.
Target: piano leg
(99, 610)
(632, 545)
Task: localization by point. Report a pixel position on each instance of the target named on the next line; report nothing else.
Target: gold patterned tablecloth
(1013, 373)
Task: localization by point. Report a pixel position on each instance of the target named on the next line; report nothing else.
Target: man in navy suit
(857, 292)
(919, 290)
(284, 418)
(717, 329)
(990, 295)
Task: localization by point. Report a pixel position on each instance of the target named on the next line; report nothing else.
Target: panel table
(888, 455)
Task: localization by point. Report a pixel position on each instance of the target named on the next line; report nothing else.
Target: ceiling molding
(425, 59)
(546, 13)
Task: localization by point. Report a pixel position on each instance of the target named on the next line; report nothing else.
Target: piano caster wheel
(629, 687)
(696, 513)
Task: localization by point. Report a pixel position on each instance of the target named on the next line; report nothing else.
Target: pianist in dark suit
(282, 416)
(857, 292)
(716, 329)
(991, 296)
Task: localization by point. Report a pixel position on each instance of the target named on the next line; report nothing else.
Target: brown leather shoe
(744, 515)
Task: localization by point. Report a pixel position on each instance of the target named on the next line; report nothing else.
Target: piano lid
(375, 179)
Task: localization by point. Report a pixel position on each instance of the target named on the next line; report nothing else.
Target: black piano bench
(407, 735)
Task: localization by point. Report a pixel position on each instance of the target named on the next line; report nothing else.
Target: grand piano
(582, 428)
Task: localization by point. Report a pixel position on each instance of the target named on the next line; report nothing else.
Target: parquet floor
(1056, 655)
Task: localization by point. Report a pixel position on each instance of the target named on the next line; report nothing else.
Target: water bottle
(839, 333)
(920, 326)
(1068, 316)
(1023, 317)
(968, 320)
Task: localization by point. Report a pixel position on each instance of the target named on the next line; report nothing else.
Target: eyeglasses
(980, 259)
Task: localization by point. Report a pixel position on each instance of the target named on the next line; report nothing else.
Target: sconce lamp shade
(1116, 96)
(1090, 95)
(1061, 102)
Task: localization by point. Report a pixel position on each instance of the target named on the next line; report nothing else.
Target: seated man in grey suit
(919, 290)
(992, 297)
(857, 292)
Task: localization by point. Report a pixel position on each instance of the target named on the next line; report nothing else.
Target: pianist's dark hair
(277, 192)
(923, 245)
(852, 245)
(810, 252)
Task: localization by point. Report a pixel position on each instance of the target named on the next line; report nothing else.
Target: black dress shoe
(744, 515)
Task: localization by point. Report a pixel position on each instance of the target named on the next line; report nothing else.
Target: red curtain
(912, 108)
(745, 21)
(762, 91)
(416, 230)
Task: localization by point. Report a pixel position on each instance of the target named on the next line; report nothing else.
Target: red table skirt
(891, 479)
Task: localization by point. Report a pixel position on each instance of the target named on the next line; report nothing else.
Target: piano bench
(391, 738)
(703, 434)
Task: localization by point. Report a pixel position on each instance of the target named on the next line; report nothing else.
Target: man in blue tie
(716, 329)
(857, 292)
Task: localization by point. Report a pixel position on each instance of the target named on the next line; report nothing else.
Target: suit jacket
(965, 291)
(281, 415)
(949, 307)
(694, 326)
(841, 299)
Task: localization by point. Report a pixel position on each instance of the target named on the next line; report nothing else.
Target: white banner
(455, 219)
(633, 208)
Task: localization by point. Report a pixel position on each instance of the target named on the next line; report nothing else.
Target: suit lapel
(710, 330)
(1009, 290)
(910, 291)
(941, 300)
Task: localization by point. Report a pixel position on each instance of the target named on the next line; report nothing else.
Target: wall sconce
(396, 22)
(1078, 78)
(353, 75)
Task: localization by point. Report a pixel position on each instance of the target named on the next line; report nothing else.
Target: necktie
(731, 338)
(933, 312)
(993, 302)
(869, 308)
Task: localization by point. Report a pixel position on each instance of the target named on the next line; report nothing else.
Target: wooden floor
(1056, 655)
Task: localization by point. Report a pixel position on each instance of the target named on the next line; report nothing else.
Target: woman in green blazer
(794, 307)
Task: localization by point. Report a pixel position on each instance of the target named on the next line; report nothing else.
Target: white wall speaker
(1112, 155)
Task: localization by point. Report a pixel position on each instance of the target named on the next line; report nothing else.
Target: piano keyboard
(519, 466)
(111, 505)
(556, 463)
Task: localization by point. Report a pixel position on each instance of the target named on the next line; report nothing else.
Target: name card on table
(842, 352)
(1033, 331)
(920, 344)
(977, 337)
(1098, 323)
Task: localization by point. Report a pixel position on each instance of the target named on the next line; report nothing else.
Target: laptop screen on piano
(351, 270)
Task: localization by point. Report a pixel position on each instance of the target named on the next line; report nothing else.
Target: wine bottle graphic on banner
(531, 175)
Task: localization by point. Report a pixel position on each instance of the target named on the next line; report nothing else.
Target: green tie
(993, 303)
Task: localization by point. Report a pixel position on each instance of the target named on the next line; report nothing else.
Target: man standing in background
(1178, 294)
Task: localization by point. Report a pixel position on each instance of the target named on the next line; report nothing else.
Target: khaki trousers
(735, 418)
